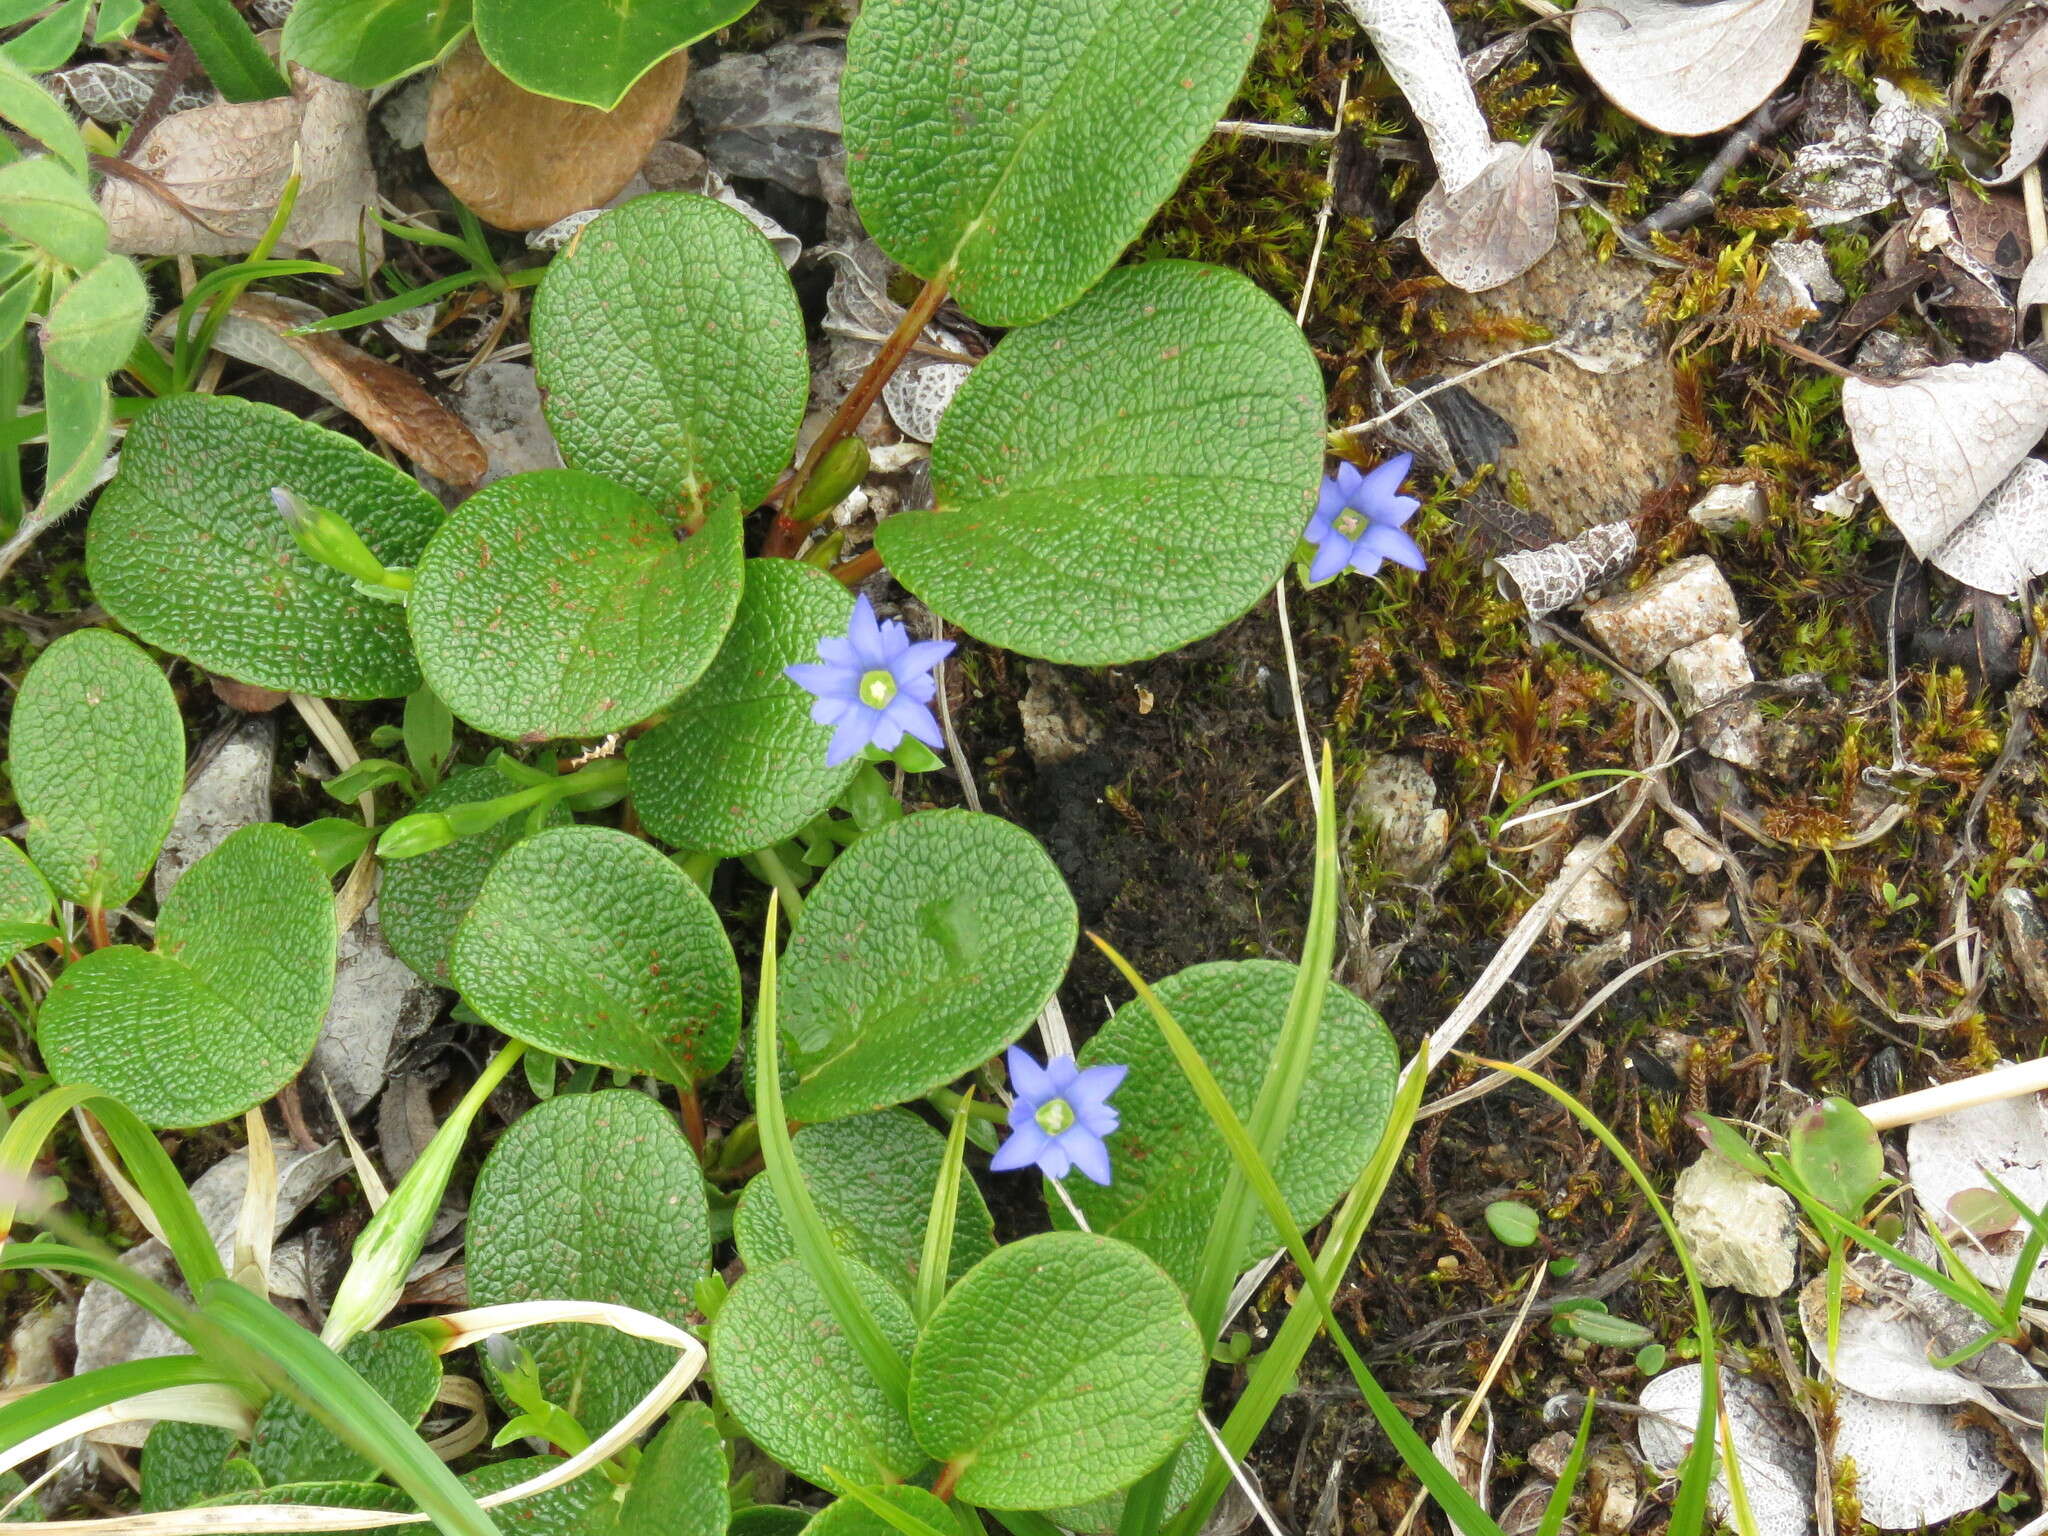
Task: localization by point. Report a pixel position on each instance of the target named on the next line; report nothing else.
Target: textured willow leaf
(923, 950)
(186, 548)
(850, 1517)
(594, 1196)
(1125, 478)
(593, 53)
(1684, 66)
(1023, 146)
(185, 1464)
(25, 896)
(97, 755)
(225, 1010)
(584, 1507)
(321, 1495)
(424, 899)
(671, 349)
(680, 1487)
(1062, 1368)
(291, 1446)
(588, 943)
(369, 43)
(739, 764)
(559, 604)
(1170, 1165)
(872, 1177)
(797, 1384)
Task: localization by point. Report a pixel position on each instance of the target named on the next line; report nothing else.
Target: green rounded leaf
(1835, 1152)
(1513, 1223)
(93, 327)
(369, 43)
(680, 1487)
(321, 1495)
(424, 899)
(671, 350)
(559, 604)
(585, 1507)
(1025, 146)
(797, 1384)
(45, 204)
(1170, 1164)
(739, 764)
(98, 762)
(850, 1517)
(872, 1178)
(769, 1520)
(1124, 479)
(25, 896)
(1100, 1517)
(226, 1009)
(1062, 1368)
(588, 943)
(578, 51)
(597, 1197)
(923, 950)
(291, 1446)
(186, 549)
(186, 1464)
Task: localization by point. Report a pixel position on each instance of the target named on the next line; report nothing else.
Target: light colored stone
(230, 792)
(1684, 603)
(1694, 855)
(1057, 729)
(1740, 1229)
(1596, 903)
(1707, 671)
(1396, 796)
(376, 996)
(1730, 506)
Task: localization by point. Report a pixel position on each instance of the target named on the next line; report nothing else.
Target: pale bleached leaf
(1772, 1446)
(2005, 541)
(2021, 77)
(1496, 226)
(1916, 1465)
(1415, 45)
(1935, 443)
(1952, 1153)
(2034, 282)
(1690, 68)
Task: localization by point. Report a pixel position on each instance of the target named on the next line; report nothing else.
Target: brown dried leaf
(1690, 68)
(387, 400)
(2021, 77)
(522, 161)
(1935, 443)
(222, 169)
(1497, 225)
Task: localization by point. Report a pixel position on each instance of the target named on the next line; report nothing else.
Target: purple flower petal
(1088, 1153)
(1348, 482)
(1054, 1162)
(1331, 556)
(1394, 545)
(895, 640)
(864, 635)
(1026, 1145)
(919, 659)
(837, 711)
(1096, 1119)
(909, 718)
(1028, 1080)
(827, 682)
(1061, 1073)
(837, 651)
(1329, 502)
(1094, 1084)
(1365, 562)
(1383, 482)
(1319, 526)
(1395, 511)
(886, 734)
(847, 742)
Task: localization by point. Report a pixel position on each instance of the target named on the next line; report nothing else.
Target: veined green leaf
(578, 51)
(370, 43)
(45, 203)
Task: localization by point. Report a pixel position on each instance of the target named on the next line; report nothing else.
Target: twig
(1948, 1098)
(1416, 397)
(182, 65)
(1697, 200)
(1278, 133)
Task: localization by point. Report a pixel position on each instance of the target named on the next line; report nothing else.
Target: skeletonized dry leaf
(1777, 1462)
(1547, 579)
(2005, 541)
(521, 161)
(387, 400)
(2034, 282)
(1690, 68)
(377, 997)
(1416, 45)
(217, 173)
(1916, 1465)
(1496, 226)
(1950, 1153)
(1935, 443)
(917, 398)
(2021, 77)
(1882, 1350)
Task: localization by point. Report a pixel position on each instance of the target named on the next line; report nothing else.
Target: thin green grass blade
(61, 1401)
(937, 1259)
(235, 62)
(807, 1229)
(314, 1376)
(882, 1509)
(1689, 1509)
(160, 1303)
(1464, 1511)
(1568, 1480)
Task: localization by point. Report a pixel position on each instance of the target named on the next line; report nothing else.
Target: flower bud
(326, 536)
(844, 466)
(410, 836)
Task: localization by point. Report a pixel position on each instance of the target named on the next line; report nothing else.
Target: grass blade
(26, 1422)
(235, 62)
(937, 1259)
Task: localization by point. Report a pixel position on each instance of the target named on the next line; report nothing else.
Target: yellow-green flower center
(1054, 1116)
(1350, 524)
(877, 688)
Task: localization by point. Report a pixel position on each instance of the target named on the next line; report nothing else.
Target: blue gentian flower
(1358, 519)
(874, 686)
(1059, 1116)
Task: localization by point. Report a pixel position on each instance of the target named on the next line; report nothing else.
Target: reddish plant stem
(693, 1119)
(857, 570)
(949, 1475)
(96, 927)
(787, 536)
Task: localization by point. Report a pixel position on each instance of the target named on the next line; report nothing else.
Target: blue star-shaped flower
(1358, 519)
(1059, 1117)
(874, 685)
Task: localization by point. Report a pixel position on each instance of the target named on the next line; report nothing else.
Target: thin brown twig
(182, 65)
(1697, 200)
